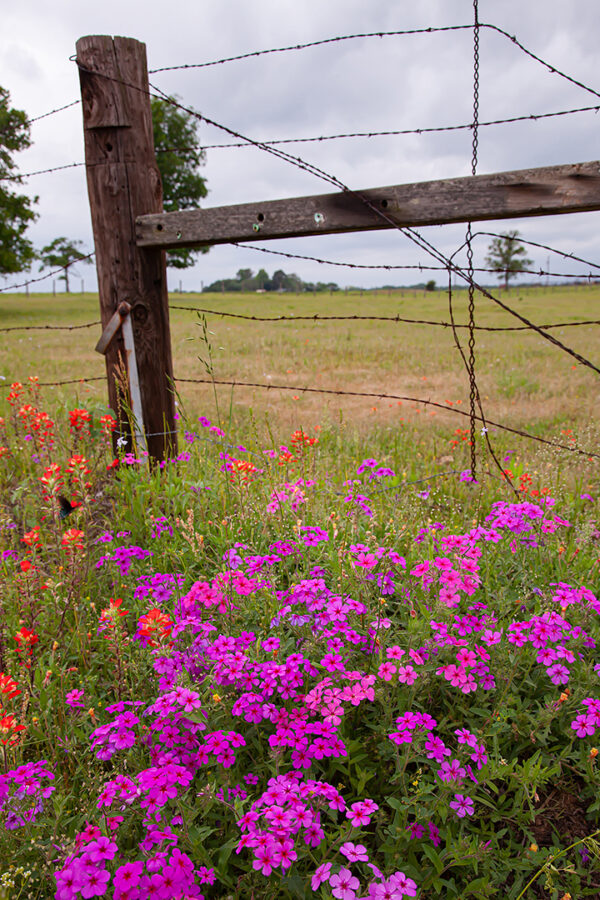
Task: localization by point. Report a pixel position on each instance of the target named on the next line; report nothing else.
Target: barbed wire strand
(53, 112)
(319, 43)
(382, 34)
(50, 327)
(421, 267)
(384, 396)
(381, 395)
(367, 394)
(61, 383)
(562, 253)
(317, 317)
(320, 138)
(13, 287)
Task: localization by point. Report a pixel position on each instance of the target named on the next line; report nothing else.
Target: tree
(507, 256)
(178, 156)
(16, 252)
(63, 254)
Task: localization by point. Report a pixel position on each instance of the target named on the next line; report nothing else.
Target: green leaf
(433, 857)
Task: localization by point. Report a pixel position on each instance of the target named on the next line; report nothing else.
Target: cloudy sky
(368, 84)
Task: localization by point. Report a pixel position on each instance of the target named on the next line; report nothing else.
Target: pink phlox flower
(358, 815)
(416, 830)
(74, 698)
(321, 874)
(386, 671)
(451, 770)
(583, 726)
(464, 736)
(407, 674)
(558, 674)
(462, 806)
(479, 755)
(354, 852)
(436, 749)
(100, 849)
(344, 885)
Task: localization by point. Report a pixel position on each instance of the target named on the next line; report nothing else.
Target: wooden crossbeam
(503, 195)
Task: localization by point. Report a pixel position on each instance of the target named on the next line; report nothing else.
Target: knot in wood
(140, 313)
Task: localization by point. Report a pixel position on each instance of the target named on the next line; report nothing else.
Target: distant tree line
(246, 280)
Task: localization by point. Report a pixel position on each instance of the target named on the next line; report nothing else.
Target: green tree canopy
(16, 213)
(63, 254)
(179, 157)
(507, 256)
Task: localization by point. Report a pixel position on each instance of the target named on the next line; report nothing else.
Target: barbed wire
(53, 112)
(317, 317)
(562, 253)
(539, 59)
(416, 266)
(319, 139)
(13, 287)
(398, 132)
(366, 394)
(380, 34)
(381, 395)
(49, 327)
(74, 165)
(319, 43)
(8, 386)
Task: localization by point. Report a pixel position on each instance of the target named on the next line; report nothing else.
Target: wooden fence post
(124, 182)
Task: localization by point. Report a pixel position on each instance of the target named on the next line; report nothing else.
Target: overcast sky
(370, 84)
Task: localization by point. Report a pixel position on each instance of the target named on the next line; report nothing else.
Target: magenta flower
(344, 885)
(74, 698)
(354, 852)
(386, 671)
(558, 673)
(94, 881)
(321, 875)
(462, 806)
(583, 726)
(407, 674)
(128, 876)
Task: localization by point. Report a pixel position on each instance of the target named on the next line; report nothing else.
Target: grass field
(524, 381)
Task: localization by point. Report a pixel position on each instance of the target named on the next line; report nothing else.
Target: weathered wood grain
(123, 183)
(504, 195)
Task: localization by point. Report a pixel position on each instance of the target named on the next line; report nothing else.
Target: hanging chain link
(469, 236)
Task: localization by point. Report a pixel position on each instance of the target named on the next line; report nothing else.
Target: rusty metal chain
(470, 269)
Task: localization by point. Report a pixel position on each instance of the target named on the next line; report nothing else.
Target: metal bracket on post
(122, 319)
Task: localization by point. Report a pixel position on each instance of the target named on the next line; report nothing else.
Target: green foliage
(178, 156)
(190, 513)
(16, 213)
(63, 253)
(245, 280)
(507, 256)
